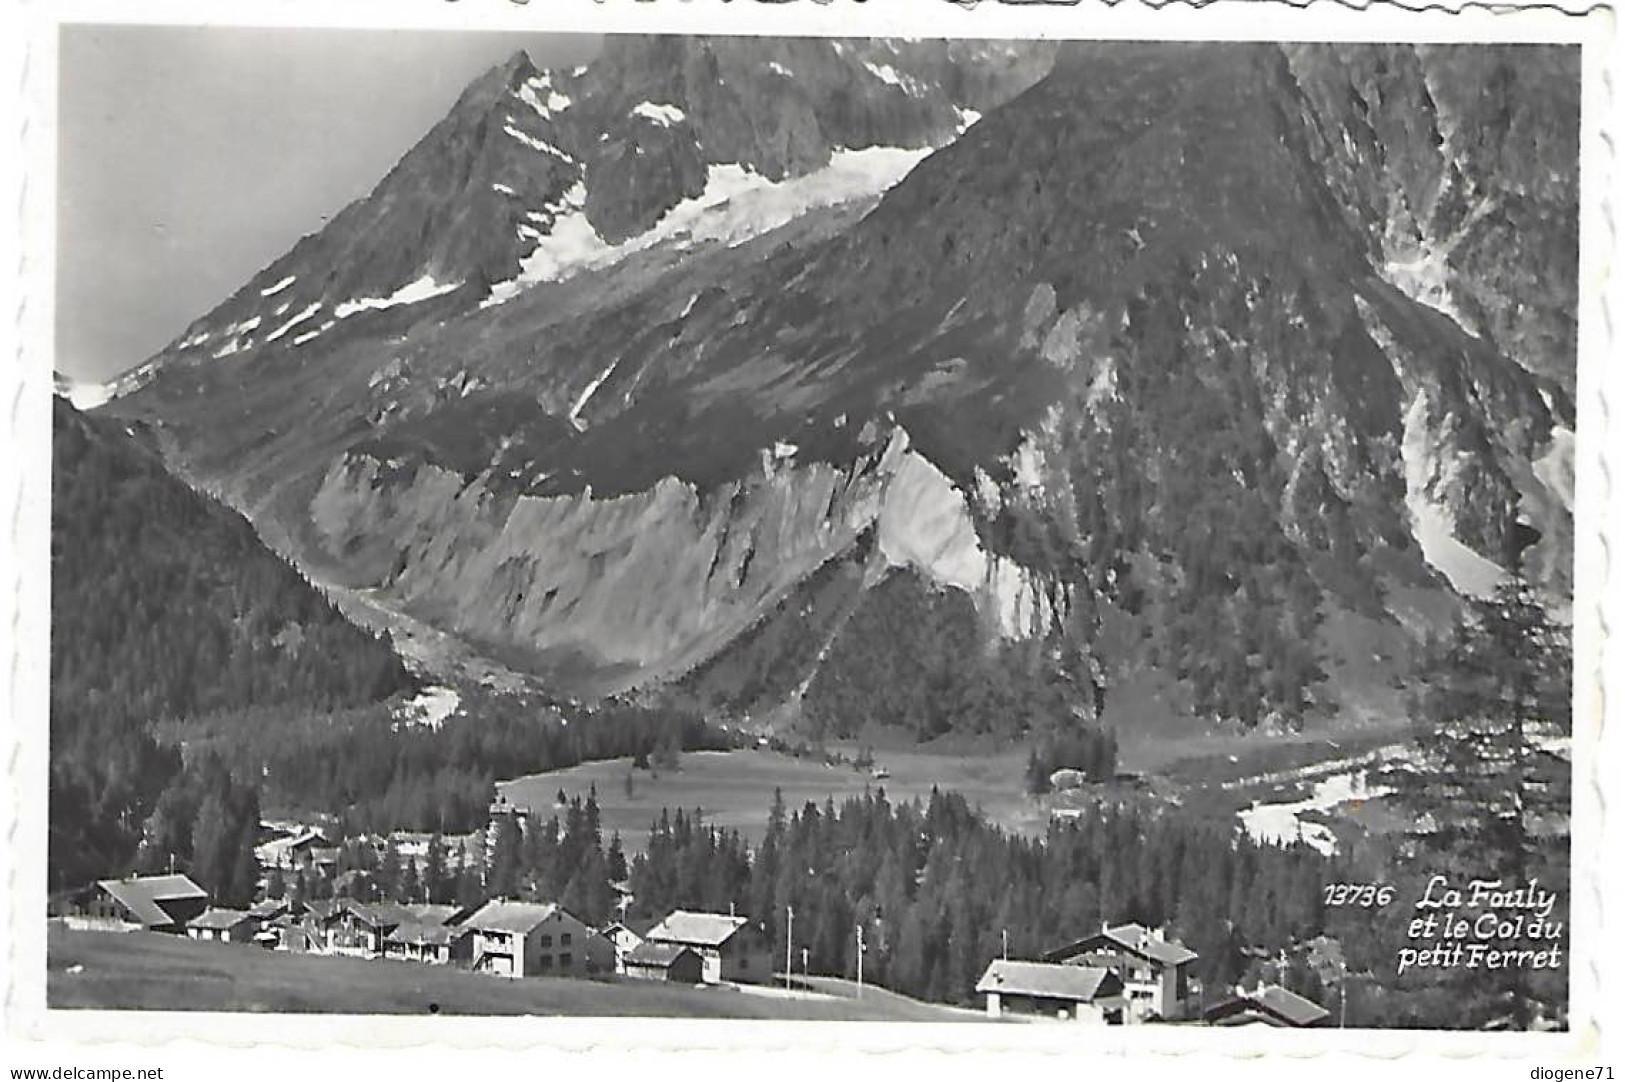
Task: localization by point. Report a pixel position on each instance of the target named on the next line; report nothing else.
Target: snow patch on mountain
(588, 392)
(1281, 823)
(430, 709)
(531, 92)
(892, 77)
(1555, 468)
(1424, 278)
(535, 144)
(413, 292)
(736, 205)
(271, 291)
(85, 395)
(1433, 524)
(303, 314)
(659, 113)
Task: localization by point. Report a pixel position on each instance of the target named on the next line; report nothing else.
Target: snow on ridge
(779, 69)
(659, 113)
(736, 205)
(272, 291)
(88, 396)
(502, 189)
(413, 292)
(967, 118)
(569, 244)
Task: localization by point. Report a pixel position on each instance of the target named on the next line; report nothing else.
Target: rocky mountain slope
(1213, 374)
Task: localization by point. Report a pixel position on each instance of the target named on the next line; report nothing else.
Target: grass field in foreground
(734, 789)
(148, 971)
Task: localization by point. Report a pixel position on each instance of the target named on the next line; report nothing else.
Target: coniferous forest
(165, 606)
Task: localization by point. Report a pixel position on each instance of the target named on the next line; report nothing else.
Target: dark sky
(189, 158)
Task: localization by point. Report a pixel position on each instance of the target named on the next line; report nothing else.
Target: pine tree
(434, 870)
(616, 859)
(1485, 788)
(502, 877)
(211, 846)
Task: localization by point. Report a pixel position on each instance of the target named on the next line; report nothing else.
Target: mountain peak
(501, 79)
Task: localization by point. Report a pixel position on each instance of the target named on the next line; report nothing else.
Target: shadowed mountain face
(1219, 371)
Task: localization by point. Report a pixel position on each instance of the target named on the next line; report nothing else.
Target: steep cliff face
(1185, 360)
(600, 593)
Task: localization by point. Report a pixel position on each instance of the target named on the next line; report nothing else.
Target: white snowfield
(1279, 824)
(413, 292)
(736, 205)
(271, 291)
(659, 113)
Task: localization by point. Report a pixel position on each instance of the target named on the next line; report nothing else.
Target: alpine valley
(982, 399)
(1209, 378)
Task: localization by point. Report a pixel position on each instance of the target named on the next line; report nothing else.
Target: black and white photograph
(1006, 532)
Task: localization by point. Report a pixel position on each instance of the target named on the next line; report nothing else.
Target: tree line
(1089, 750)
(375, 772)
(940, 891)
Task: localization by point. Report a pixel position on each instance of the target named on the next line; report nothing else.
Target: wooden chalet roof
(386, 915)
(424, 934)
(141, 895)
(1048, 980)
(663, 955)
(1269, 1005)
(1135, 938)
(499, 916)
(221, 919)
(696, 929)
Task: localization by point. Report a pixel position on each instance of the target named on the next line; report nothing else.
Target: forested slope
(165, 606)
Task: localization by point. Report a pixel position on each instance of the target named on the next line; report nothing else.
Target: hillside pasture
(150, 971)
(734, 789)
